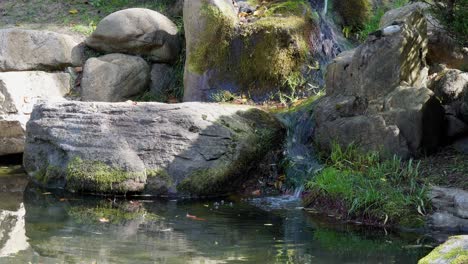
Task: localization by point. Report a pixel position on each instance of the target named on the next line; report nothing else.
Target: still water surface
(37, 226)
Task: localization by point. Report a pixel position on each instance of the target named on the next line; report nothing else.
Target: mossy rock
(255, 57)
(454, 251)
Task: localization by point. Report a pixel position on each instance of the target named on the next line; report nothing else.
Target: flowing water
(37, 226)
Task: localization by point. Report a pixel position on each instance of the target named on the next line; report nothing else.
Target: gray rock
(451, 208)
(162, 75)
(454, 250)
(376, 95)
(114, 78)
(441, 47)
(461, 145)
(137, 31)
(455, 126)
(450, 85)
(22, 50)
(190, 148)
(19, 91)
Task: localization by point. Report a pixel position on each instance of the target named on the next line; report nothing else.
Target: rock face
(137, 31)
(19, 91)
(455, 250)
(376, 94)
(255, 55)
(451, 209)
(162, 76)
(22, 50)
(441, 47)
(190, 148)
(450, 85)
(114, 78)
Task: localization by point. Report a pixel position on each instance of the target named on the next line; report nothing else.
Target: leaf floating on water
(206, 205)
(103, 220)
(47, 193)
(268, 224)
(195, 218)
(73, 11)
(62, 199)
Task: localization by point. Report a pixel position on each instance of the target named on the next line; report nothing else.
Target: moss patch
(258, 55)
(96, 176)
(256, 135)
(454, 255)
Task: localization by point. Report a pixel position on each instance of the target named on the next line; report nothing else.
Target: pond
(37, 226)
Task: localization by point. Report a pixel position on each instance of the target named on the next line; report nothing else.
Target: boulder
(376, 95)
(23, 50)
(137, 31)
(451, 208)
(255, 55)
(190, 148)
(441, 47)
(450, 85)
(114, 78)
(454, 250)
(162, 75)
(19, 91)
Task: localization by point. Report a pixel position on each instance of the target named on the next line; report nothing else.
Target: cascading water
(301, 159)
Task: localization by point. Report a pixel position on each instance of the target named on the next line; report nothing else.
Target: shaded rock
(19, 91)
(114, 78)
(450, 85)
(376, 95)
(461, 145)
(190, 148)
(441, 47)
(455, 126)
(454, 250)
(162, 76)
(226, 53)
(137, 31)
(451, 208)
(22, 50)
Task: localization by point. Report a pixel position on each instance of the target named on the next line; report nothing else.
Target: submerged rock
(23, 50)
(19, 91)
(137, 31)
(114, 78)
(190, 148)
(454, 251)
(376, 95)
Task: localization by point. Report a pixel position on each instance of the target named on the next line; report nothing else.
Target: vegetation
(363, 187)
(84, 175)
(454, 16)
(274, 46)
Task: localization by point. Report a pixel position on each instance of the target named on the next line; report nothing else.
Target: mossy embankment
(362, 187)
(257, 54)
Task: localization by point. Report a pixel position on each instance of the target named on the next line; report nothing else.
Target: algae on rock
(254, 57)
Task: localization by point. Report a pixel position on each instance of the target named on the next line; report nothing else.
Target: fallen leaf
(103, 220)
(62, 199)
(268, 224)
(73, 11)
(243, 14)
(47, 193)
(256, 193)
(195, 218)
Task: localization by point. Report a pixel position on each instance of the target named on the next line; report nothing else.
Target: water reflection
(43, 227)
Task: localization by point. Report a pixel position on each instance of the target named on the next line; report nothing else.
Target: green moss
(258, 133)
(456, 255)
(158, 182)
(84, 175)
(271, 49)
(212, 50)
(355, 13)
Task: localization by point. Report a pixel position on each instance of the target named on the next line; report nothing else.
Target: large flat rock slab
(190, 148)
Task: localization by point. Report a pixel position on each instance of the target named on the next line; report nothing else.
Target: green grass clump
(385, 192)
